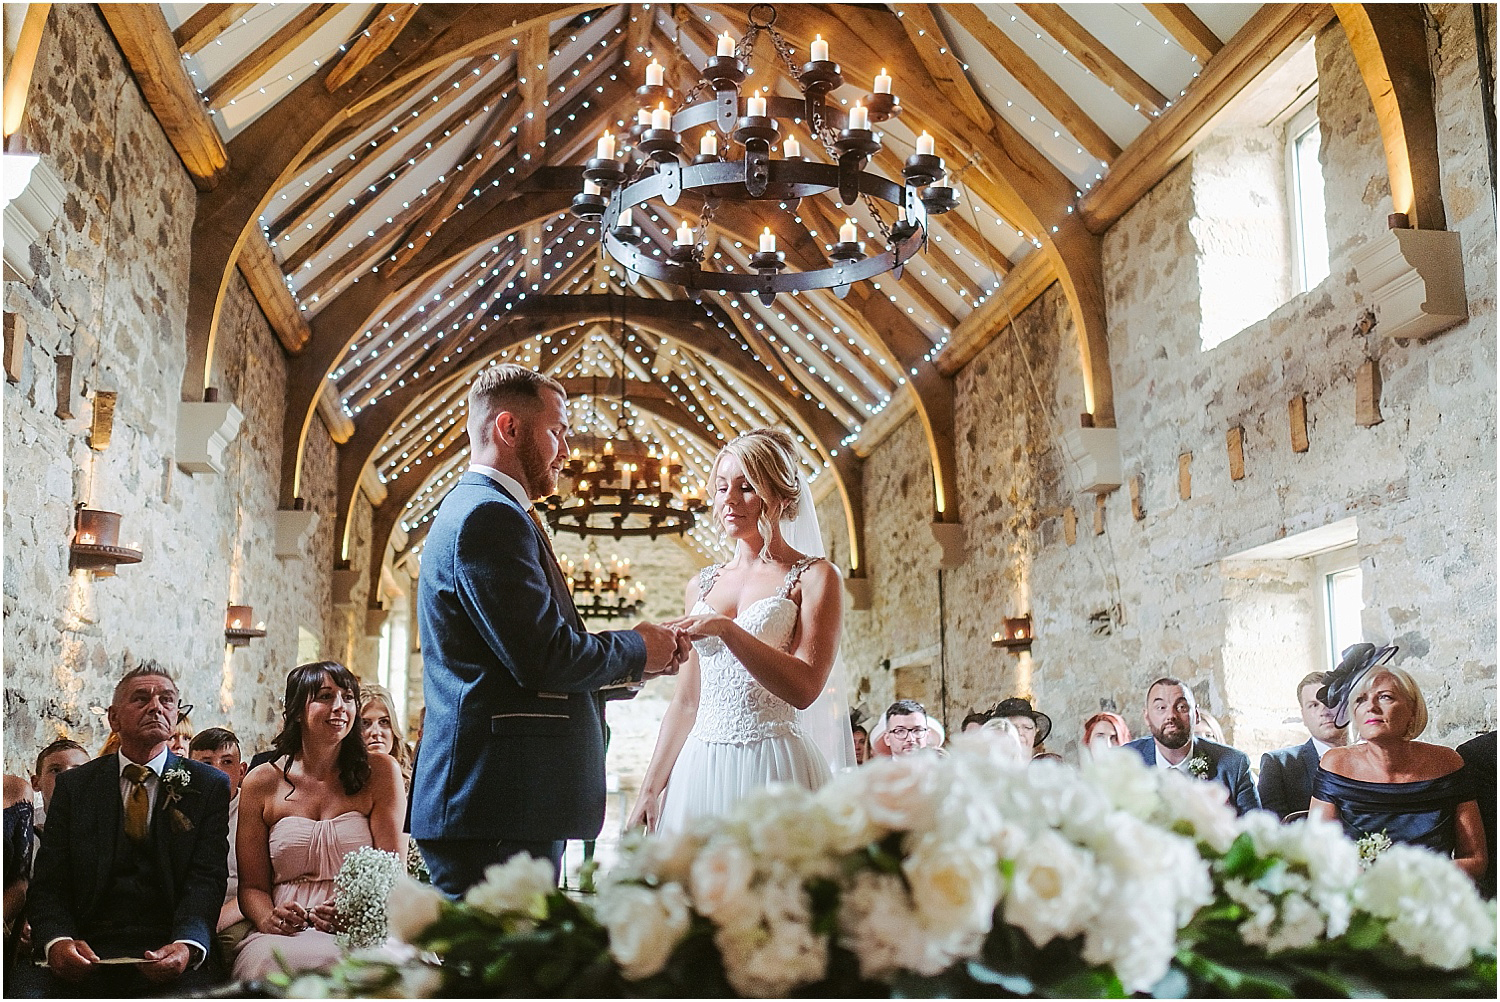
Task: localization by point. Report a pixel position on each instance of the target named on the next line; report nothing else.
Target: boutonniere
(175, 782)
(1199, 766)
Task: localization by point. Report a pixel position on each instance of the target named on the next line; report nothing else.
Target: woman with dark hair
(321, 797)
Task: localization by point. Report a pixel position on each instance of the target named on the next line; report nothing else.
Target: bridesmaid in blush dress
(323, 796)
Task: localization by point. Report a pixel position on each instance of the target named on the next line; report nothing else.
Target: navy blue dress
(1421, 813)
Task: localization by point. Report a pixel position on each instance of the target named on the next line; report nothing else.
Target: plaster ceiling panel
(1136, 38)
(1225, 19)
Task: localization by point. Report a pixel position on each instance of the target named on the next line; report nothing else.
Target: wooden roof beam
(206, 24)
(1096, 56)
(288, 38)
(23, 65)
(267, 284)
(146, 41)
(1187, 29)
(389, 21)
(1036, 81)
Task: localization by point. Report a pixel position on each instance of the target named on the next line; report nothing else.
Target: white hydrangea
(645, 925)
(1433, 912)
(876, 924)
(773, 950)
(1120, 775)
(519, 885)
(1131, 933)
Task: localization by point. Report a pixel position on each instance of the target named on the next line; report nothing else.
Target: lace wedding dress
(744, 736)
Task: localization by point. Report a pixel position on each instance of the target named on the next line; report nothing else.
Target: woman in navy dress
(1387, 783)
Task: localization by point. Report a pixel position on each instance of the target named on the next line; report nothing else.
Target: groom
(512, 757)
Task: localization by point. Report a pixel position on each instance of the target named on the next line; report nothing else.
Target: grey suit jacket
(1225, 764)
(1286, 777)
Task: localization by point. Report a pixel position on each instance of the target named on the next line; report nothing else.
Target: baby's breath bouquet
(360, 891)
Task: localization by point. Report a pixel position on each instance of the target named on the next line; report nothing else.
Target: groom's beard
(1172, 735)
(541, 476)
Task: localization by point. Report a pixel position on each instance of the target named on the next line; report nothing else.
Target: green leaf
(1087, 983)
(1240, 858)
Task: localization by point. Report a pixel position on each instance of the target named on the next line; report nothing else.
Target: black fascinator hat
(1359, 660)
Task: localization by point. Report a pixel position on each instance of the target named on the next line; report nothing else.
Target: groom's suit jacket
(513, 746)
(1286, 778)
(1225, 764)
(79, 859)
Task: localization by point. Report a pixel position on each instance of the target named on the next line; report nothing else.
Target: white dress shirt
(511, 484)
(1182, 767)
(1321, 747)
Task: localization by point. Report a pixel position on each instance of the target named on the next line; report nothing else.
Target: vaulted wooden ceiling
(392, 180)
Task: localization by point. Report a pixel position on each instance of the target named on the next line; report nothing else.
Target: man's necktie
(542, 528)
(137, 802)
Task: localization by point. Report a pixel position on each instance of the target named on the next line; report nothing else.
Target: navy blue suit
(513, 747)
(1286, 778)
(85, 853)
(1225, 764)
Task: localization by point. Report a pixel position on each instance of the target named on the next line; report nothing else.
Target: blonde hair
(1406, 685)
(372, 693)
(769, 458)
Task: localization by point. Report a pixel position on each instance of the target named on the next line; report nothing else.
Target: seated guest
(323, 796)
(57, 758)
(1479, 758)
(974, 721)
(182, 734)
(861, 744)
(1389, 782)
(218, 747)
(1105, 729)
(1032, 725)
(1001, 731)
(935, 733)
(902, 728)
(133, 861)
(377, 712)
(16, 868)
(1172, 744)
(1208, 726)
(1286, 774)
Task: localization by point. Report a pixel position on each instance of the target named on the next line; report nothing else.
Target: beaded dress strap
(794, 574)
(706, 579)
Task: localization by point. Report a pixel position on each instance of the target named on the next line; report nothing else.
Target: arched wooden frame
(683, 323)
(1390, 47)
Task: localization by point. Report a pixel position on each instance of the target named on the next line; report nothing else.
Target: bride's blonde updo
(769, 458)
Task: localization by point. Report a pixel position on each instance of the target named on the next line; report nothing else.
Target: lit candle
(849, 233)
(590, 187)
(661, 118)
(606, 150)
(261, 626)
(819, 50)
(708, 146)
(791, 148)
(627, 217)
(882, 82)
(767, 241)
(235, 625)
(755, 107)
(643, 117)
(925, 144)
(684, 235)
(655, 74)
(726, 45)
(859, 116)
(86, 538)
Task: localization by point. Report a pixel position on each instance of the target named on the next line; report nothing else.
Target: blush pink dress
(305, 859)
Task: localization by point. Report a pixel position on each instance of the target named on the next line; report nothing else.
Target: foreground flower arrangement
(959, 876)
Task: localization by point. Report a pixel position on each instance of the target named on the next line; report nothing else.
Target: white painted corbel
(203, 432)
(950, 536)
(859, 593)
(1096, 453)
(294, 529)
(374, 488)
(33, 199)
(1414, 280)
(344, 581)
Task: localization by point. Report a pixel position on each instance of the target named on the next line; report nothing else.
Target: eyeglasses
(902, 732)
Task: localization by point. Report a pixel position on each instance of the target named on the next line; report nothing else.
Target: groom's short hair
(504, 387)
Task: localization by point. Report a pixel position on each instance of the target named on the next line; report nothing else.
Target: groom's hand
(661, 648)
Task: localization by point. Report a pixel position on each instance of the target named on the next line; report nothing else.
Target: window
(1304, 185)
(308, 646)
(1343, 601)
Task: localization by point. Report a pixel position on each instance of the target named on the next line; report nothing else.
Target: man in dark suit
(1479, 758)
(134, 862)
(1286, 774)
(1172, 745)
(513, 754)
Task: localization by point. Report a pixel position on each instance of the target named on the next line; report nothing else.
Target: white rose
(1202, 806)
(775, 951)
(644, 925)
(1120, 775)
(410, 908)
(517, 885)
(849, 822)
(1136, 937)
(955, 885)
(876, 924)
(902, 793)
(1052, 893)
(720, 880)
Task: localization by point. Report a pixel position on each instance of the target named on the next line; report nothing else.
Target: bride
(754, 703)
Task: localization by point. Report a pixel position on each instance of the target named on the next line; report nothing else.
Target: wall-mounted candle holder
(238, 631)
(95, 545)
(1015, 636)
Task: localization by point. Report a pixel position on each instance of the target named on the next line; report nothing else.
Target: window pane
(1345, 602)
(1313, 235)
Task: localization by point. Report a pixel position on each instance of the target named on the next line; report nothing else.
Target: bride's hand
(646, 812)
(697, 627)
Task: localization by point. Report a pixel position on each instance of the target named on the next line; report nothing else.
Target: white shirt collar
(156, 765)
(1162, 763)
(1321, 747)
(511, 484)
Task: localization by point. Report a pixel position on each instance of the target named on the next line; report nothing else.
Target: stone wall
(1158, 594)
(111, 294)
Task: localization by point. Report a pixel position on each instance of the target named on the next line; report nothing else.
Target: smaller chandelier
(603, 590)
(753, 123)
(622, 488)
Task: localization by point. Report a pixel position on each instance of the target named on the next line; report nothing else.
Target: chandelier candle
(655, 74)
(882, 82)
(726, 45)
